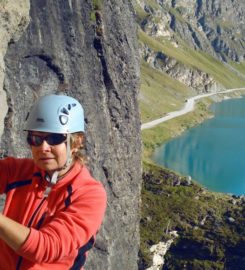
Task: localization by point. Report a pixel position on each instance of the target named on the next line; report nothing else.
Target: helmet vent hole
(63, 119)
(65, 111)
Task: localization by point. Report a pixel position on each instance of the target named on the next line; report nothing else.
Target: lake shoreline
(153, 137)
(188, 107)
(211, 153)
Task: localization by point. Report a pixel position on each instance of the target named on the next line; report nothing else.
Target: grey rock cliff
(88, 52)
(14, 17)
(214, 27)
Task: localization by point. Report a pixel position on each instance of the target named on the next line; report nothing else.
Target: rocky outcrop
(193, 78)
(213, 27)
(216, 27)
(220, 23)
(14, 17)
(210, 226)
(89, 51)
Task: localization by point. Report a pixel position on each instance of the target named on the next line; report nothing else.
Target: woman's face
(49, 157)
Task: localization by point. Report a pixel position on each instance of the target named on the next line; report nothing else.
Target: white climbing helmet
(56, 114)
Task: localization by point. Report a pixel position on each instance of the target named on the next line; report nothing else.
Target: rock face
(14, 17)
(88, 51)
(200, 81)
(217, 23)
(215, 27)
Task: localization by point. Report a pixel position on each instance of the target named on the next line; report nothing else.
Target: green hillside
(210, 225)
(160, 93)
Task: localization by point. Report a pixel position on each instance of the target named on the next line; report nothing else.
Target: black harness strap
(18, 184)
(81, 257)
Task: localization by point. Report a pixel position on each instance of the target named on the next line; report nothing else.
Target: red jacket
(63, 224)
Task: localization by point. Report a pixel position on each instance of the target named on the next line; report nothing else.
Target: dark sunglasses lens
(54, 139)
(34, 140)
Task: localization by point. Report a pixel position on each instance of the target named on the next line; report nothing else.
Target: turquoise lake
(212, 153)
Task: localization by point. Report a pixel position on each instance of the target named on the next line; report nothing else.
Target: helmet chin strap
(55, 176)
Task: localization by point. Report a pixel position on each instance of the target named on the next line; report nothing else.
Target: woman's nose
(45, 146)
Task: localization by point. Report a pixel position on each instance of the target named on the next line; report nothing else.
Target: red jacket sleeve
(12, 169)
(69, 229)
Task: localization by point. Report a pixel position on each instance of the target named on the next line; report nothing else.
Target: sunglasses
(51, 139)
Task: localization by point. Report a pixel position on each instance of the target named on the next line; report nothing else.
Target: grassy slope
(165, 205)
(239, 66)
(161, 94)
(195, 59)
(154, 137)
(200, 217)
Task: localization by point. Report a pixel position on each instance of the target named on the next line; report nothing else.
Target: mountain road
(188, 107)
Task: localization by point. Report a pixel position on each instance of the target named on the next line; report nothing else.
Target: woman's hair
(78, 142)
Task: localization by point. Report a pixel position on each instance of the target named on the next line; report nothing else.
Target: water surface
(212, 153)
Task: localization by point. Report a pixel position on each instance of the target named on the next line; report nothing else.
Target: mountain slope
(187, 47)
(195, 42)
(210, 226)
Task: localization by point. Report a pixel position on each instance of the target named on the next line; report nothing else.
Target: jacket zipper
(29, 225)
